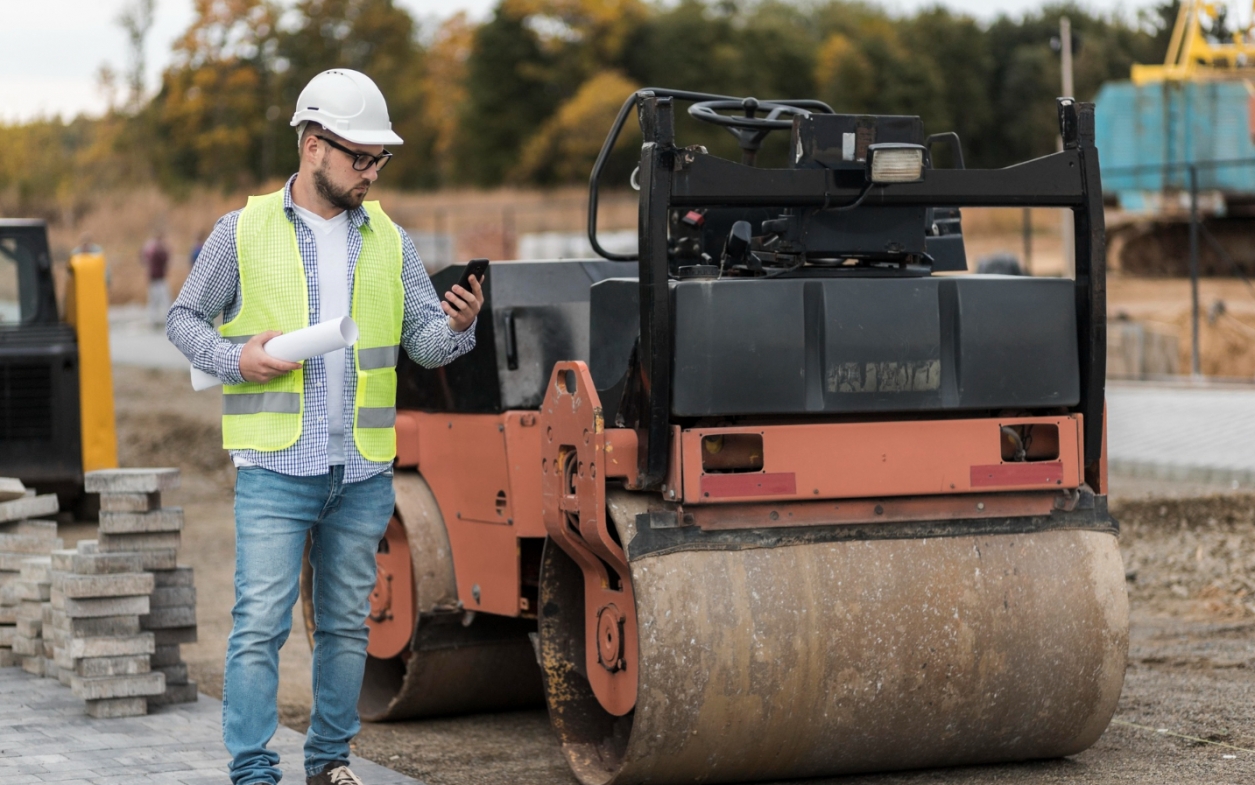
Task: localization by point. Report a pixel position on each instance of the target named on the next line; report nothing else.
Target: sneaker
(335, 774)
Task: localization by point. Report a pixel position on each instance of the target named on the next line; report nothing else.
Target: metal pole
(1195, 368)
(1028, 241)
(1066, 228)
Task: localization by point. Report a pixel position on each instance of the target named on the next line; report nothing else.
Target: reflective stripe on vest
(377, 417)
(379, 357)
(274, 295)
(255, 403)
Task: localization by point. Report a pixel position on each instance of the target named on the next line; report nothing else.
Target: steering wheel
(748, 128)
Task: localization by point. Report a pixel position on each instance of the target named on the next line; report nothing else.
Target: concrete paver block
(29, 544)
(166, 519)
(122, 584)
(146, 541)
(29, 507)
(96, 563)
(165, 655)
(37, 568)
(33, 665)
(176, 693)
(164, 559)
(30, 609)
(179, 576)
(26, 646)
(167, 618)
(175, 674)
(174, 595)
(100, 606)
(36, 591)
(174, 635)
(130, 502)
(112, 708)
(93, 667)
(12, 562)
(142, 684)
(95, 627)
(25, 526)
(28, 628)
(11, 488)
(113, 646)
(131, 480)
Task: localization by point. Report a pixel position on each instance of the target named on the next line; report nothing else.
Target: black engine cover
(856, 345)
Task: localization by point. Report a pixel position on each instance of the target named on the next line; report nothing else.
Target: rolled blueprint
(297, 346)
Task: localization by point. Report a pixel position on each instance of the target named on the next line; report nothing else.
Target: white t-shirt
(331, 235)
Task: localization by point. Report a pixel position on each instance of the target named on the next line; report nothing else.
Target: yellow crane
(1193, 55)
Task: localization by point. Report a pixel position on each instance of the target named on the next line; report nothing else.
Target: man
(314, 442)
(156, 258)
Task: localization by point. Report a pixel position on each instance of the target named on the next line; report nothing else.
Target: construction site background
(1148, 336)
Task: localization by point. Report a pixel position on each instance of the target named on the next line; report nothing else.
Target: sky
(51, 51)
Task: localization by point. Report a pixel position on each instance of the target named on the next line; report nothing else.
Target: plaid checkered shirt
(213, 288)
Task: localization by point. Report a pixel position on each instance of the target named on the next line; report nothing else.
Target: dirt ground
(1187, 713)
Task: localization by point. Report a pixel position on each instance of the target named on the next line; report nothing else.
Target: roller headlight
(895, 163)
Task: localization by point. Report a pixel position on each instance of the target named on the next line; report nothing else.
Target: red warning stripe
(1007, 474)
(727, 486)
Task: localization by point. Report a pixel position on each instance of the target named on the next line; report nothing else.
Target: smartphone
(475, 267)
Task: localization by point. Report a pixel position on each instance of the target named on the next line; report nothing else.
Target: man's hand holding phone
(463, 301)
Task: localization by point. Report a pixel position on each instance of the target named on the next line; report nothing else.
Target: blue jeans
(274, 513)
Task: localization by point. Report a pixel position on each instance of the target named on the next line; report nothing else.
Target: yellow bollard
(87, 310)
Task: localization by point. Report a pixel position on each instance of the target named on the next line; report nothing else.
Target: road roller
(786, 492)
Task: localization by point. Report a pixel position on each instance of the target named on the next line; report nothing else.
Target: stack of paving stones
(22, 537)
(33, 587)
(97, 600)
(132, 520)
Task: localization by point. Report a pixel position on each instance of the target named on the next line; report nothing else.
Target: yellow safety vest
(274, 295)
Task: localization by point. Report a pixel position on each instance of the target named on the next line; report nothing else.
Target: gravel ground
(1187, 713)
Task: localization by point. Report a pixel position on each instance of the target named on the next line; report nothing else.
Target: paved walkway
(45, 736)
(1182, 432)
(135, 341)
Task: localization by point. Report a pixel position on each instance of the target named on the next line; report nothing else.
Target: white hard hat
(348, 104)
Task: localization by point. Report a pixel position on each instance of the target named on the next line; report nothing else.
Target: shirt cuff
(462, 342)
(227, 362)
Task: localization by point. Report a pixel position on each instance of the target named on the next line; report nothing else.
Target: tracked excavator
(779, 495)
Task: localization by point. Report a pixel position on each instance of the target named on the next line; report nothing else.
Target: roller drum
(831, 658)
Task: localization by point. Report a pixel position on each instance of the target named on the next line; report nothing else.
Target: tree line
(527, 95)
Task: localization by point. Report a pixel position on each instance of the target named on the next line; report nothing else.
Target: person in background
(196, 248)
(156, 259)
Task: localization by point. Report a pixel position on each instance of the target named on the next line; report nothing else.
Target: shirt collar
(357, 216)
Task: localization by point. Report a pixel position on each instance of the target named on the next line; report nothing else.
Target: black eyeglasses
(361, 161)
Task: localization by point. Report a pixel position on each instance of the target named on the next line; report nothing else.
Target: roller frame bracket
(573, 458)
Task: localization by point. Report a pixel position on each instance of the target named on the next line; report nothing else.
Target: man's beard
(345, 200)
